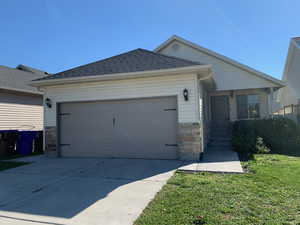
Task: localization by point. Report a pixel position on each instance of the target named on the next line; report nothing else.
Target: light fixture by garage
(186, 94)
(48, 102)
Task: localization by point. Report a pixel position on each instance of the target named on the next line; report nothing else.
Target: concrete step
(220, 135)
(220, 138)
(218, 148)
(219, 144)
(216, 141)
(219, 127)
(217, 132)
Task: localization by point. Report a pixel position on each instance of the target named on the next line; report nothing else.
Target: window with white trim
(248, 106)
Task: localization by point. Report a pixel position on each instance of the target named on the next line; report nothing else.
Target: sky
(55, 35)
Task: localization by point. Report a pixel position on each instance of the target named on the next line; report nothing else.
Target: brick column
(51, 141)
(189, 138)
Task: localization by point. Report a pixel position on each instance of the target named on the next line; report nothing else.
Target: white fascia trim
(21, 90)
(120, 76)
(221, 57)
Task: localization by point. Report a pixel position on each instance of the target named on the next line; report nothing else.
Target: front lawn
(269, 194)
(4, 165)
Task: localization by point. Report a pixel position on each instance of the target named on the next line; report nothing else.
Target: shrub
(260, 146)
(243, 138)
(277, 135)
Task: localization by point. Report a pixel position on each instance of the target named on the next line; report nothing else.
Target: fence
(291, 112)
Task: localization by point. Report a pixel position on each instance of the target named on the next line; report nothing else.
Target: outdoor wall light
(186, 94)
(48, 102)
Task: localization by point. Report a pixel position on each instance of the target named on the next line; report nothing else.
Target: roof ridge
(101, 60)
(132, 61)
(171, 57)
(137, 49)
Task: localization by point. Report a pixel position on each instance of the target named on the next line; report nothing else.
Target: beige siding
(227, 76)
(20, 117)
(291, 93)
(188, 111)
(20, 111)
(292, 76)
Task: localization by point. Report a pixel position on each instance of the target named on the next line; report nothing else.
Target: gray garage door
(143, 128)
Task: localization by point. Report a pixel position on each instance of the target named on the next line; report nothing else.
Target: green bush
(277, 135)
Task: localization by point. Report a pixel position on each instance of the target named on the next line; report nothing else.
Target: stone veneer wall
(189, 141)
(51, 141)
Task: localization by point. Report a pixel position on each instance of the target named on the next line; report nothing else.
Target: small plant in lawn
(260, 146)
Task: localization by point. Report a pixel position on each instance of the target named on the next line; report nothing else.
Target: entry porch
(219, 108)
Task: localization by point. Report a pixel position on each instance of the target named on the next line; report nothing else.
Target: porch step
(218, 148)
(220, 138)
(216, 134)
(220, 127)
(220, 144)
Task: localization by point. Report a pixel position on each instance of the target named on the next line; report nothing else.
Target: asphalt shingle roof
(132, 61)
(15, 78)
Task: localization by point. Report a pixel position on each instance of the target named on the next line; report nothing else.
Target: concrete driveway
(81, 191)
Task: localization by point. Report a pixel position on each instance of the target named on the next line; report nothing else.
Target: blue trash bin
(25, 142)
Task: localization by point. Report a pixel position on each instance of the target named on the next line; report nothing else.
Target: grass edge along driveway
(5, 165)
(269, 194)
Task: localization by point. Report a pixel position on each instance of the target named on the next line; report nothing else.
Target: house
(290, 95)
(21, 105)
(150, 104)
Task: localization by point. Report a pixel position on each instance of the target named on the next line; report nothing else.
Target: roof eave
(120, 76)
(22, 90)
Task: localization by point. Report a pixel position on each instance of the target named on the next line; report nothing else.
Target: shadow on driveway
(67, 187)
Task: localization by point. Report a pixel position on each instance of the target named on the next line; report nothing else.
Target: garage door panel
(122, 129)
(143, 129)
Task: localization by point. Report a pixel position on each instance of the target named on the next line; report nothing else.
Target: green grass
(4, 165)
(15, 156)
(268, 195)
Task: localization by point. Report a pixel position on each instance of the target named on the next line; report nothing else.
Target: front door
(220, 108)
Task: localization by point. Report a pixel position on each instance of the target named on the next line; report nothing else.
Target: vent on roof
(20, 68)
(23, 68)
(175, 46)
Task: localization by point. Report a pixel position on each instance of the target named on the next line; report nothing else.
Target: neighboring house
(290, 95)
(144, 104)
(20, 104)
